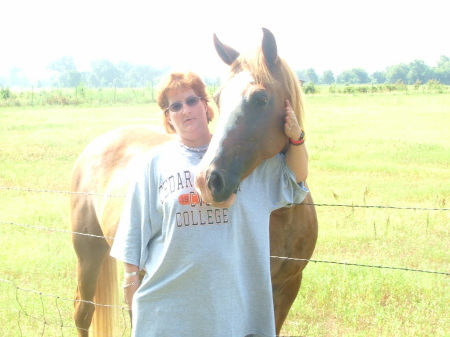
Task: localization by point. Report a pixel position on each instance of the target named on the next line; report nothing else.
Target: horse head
(251, 121)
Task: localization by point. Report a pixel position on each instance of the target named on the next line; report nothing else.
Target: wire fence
(58, 322)
(314, 204)
(274, 257)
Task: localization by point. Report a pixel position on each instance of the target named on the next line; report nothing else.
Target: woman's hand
(296, 155)
(291, 127)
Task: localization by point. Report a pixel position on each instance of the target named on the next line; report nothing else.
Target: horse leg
(90, 259)
(91, 252)
(296, 239)
(284, 296)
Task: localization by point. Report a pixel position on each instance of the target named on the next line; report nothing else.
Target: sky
(320, 34)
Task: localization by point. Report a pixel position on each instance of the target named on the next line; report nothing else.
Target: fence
(59, 323)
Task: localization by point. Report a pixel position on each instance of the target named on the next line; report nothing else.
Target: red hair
(176, 81)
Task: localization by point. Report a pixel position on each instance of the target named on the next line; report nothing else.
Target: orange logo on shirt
(192, 199)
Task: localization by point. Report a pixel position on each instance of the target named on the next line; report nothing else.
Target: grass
(79, 96)
(386, 149)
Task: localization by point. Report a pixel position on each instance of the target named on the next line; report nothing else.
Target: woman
(201, 278)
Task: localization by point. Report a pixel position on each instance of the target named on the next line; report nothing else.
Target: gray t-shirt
(207, 269)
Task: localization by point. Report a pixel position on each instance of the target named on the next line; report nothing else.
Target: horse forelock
(280, 79)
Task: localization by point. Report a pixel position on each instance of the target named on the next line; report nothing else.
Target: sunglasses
(190, 101)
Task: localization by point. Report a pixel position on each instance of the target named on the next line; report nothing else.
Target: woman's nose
(185, 109)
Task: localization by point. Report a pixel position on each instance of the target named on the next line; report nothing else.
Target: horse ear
(269, 47)
(226, 53)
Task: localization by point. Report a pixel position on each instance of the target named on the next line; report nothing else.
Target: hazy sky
(322, 34)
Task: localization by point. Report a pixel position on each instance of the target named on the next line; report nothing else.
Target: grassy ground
(382, 149)
(387, 150)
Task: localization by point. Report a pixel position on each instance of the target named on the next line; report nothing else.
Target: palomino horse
(249, 130)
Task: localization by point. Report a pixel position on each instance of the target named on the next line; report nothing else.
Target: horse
(246, 134)
(251, 120)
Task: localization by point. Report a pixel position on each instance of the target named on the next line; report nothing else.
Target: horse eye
(262, 100)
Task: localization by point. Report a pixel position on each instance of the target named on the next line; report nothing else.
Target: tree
(105, 73)
(74, 79)
(397, 73)
(311, 76)
(442, 71)
(124, 66)
(379, 77)
(93, 80)
(353, 76)
(327, 77)
(347, 77)
(68, 75)
(418, 71)
(63, 65)
(141, 75)
(362, 75)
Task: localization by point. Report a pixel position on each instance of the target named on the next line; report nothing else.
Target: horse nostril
(216, 183)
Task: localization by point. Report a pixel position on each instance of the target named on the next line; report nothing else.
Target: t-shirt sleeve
(281, 183)
(134, 230)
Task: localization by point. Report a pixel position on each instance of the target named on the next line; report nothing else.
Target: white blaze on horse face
(231, 96)
(230, 107)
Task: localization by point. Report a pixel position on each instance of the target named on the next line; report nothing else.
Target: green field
(383, 149)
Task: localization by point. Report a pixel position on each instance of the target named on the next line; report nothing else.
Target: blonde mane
(283, 80)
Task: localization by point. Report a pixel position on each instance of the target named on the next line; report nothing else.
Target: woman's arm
(296, 155)
(131, 282)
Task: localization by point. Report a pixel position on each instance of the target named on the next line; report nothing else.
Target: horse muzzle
(216, 188)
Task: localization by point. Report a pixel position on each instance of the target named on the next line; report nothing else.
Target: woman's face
(190, 120)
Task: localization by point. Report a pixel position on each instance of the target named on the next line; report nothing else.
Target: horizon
(323, 35)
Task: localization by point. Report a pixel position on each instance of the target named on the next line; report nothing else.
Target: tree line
(412, 73)
(105, 73)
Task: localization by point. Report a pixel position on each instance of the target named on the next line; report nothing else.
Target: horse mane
(281, 76)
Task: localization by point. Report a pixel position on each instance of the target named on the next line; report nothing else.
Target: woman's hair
(179, 80)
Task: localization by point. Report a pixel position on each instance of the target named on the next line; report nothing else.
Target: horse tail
(106, 316)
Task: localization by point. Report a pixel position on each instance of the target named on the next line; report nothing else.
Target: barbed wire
(309, 204)
(45, 322)
(57, 298)
(55, 230)
(60, 325)
(123, 309)
(275, 257)
(379, 206)
(362, 265)
(61, 192)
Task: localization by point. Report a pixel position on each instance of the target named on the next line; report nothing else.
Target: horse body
(100, 178)
(250, 129)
